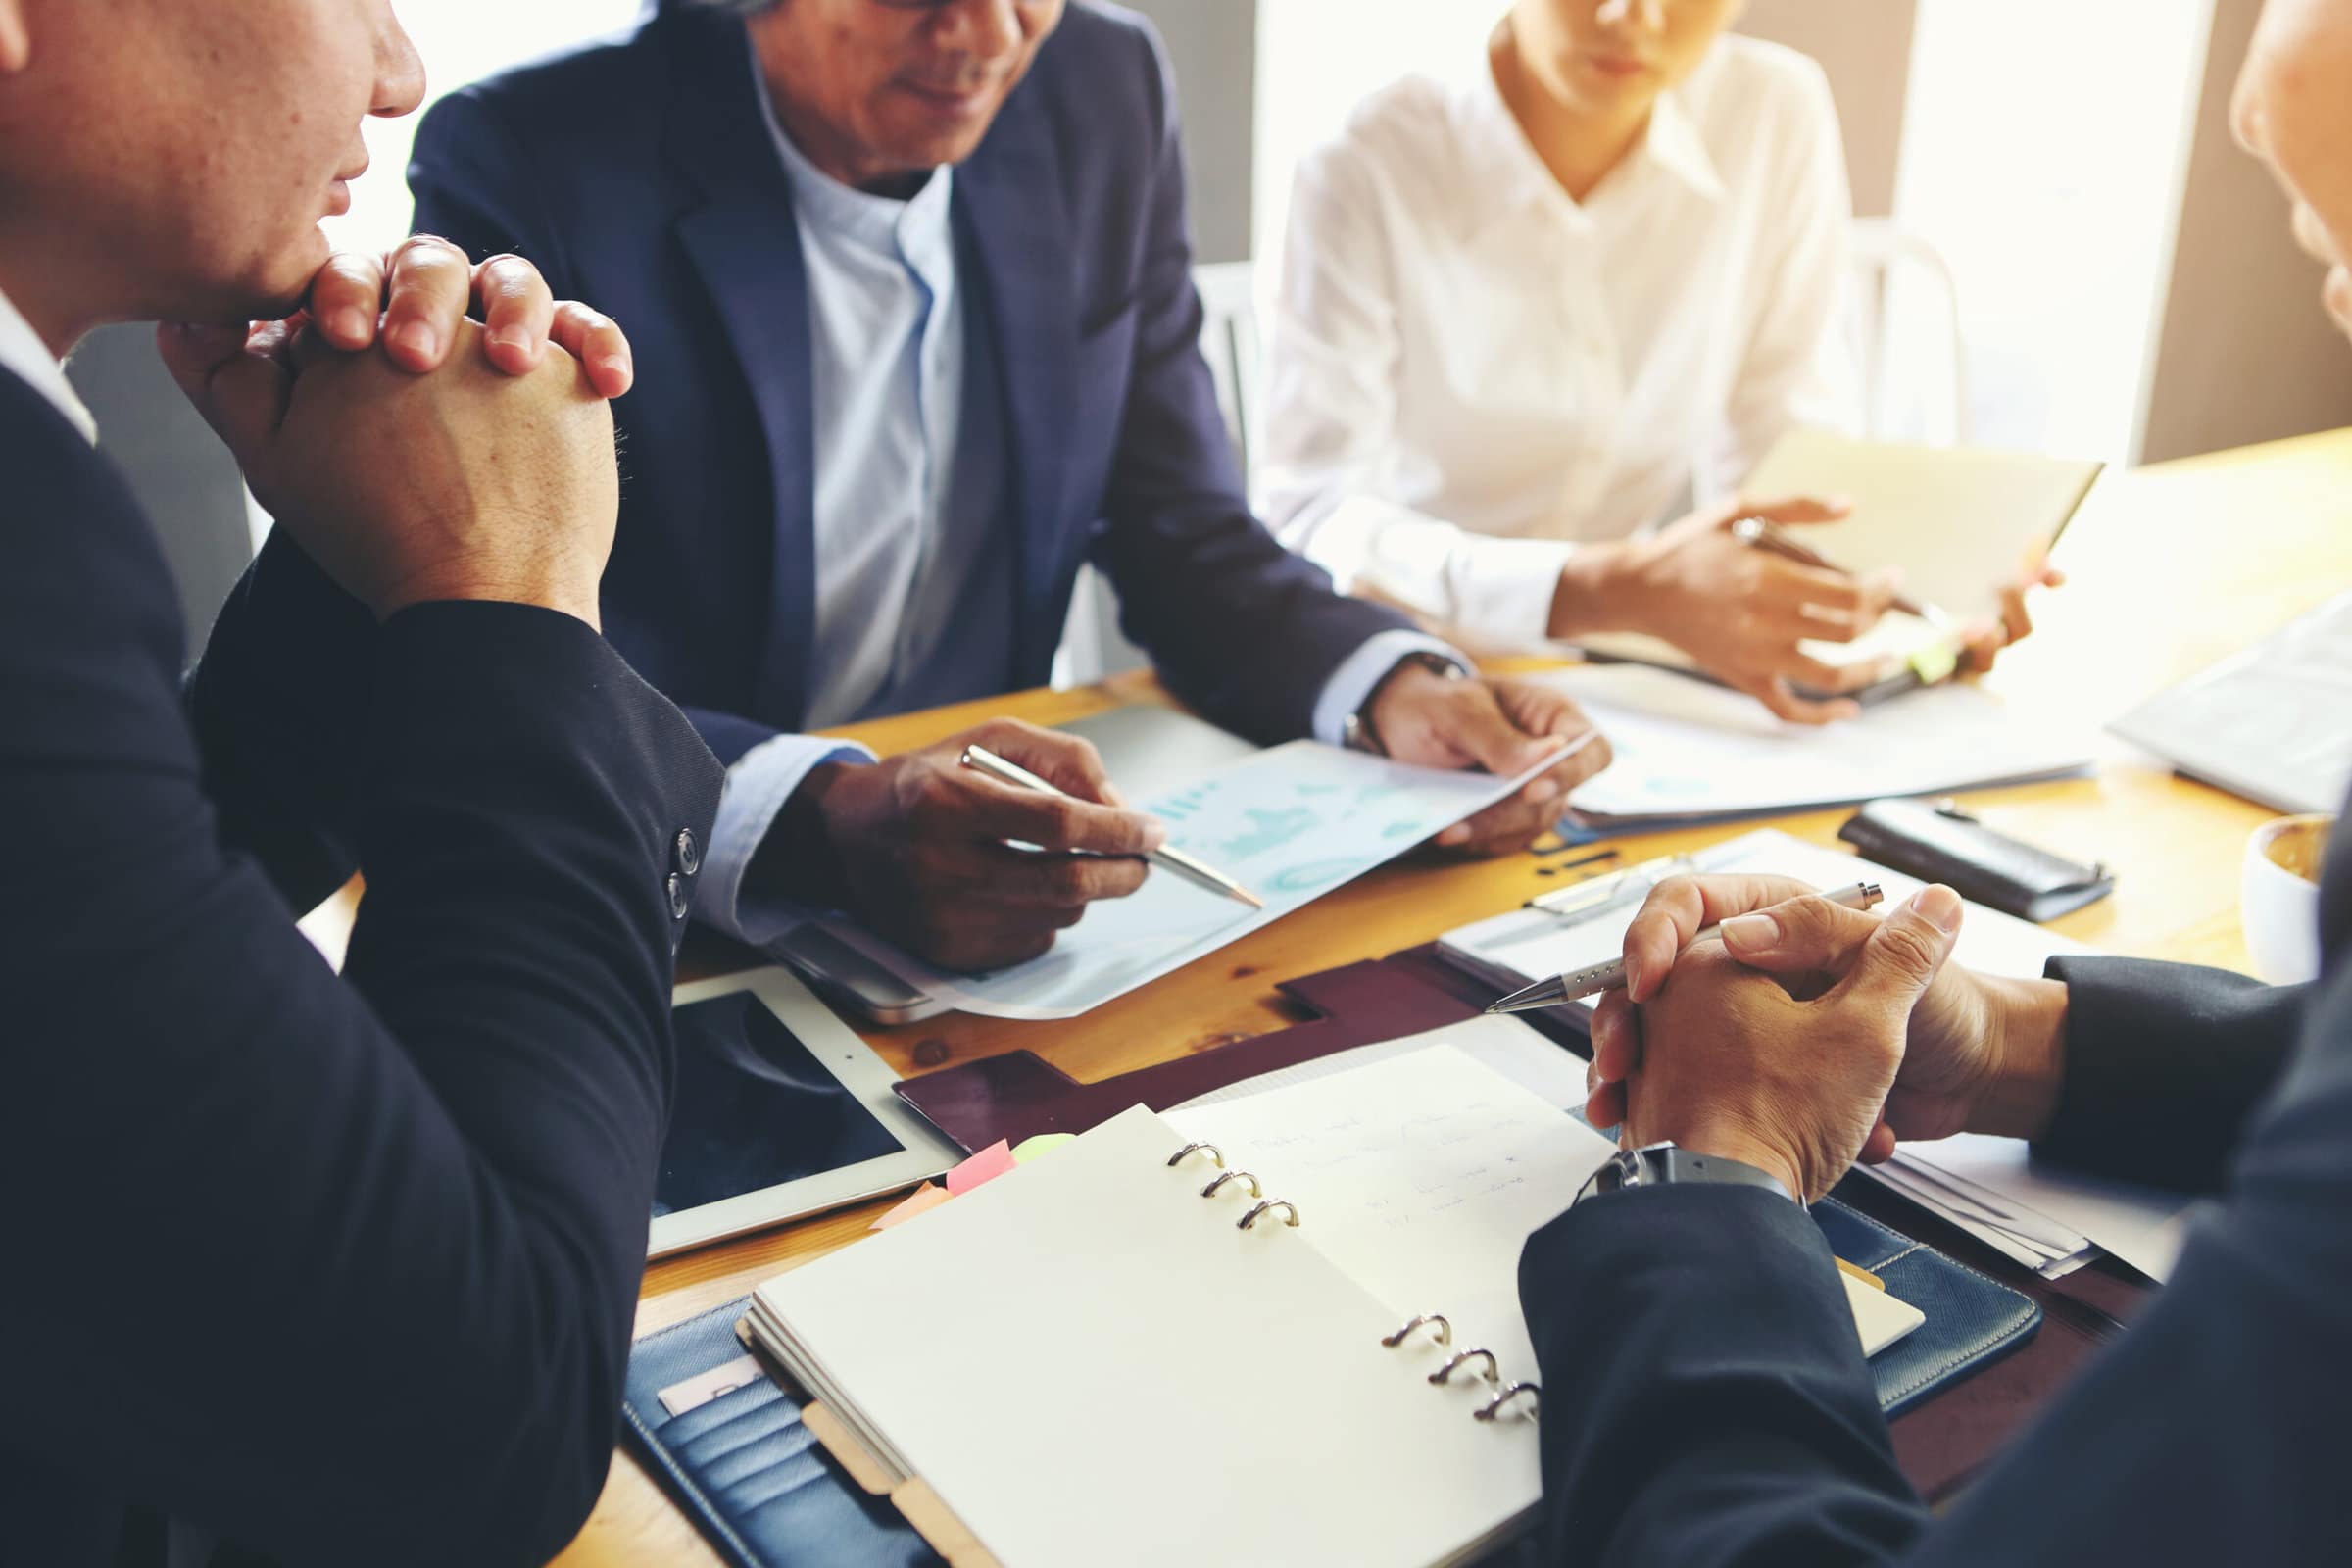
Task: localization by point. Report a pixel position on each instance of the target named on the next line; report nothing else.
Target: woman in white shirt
(1524, 315)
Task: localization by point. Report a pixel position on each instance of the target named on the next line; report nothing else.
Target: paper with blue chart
(1289, 825)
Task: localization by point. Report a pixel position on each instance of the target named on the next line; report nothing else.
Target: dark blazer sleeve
(280, 703)
(2165, 1063)
(1237, 626)
(1720, 1411)
(343, 1269)
(1705, 1400)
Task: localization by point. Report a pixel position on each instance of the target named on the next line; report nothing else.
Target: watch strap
(1358, 732)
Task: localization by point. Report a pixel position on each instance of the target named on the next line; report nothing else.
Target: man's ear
(16, 37)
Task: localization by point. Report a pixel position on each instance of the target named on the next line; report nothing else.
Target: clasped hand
(415, 454)
(1810, 1036)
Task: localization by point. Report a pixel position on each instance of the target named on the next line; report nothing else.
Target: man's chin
(282, 281)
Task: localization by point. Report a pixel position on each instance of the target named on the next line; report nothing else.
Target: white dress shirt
(24, 356)
(1472, 374)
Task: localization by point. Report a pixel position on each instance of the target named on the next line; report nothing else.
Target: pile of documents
(1687, 750)
(2050, 1221)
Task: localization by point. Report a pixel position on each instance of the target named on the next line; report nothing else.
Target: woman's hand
(1739, 611)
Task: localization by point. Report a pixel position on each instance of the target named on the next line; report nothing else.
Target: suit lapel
(744, 244)
(1014, 234)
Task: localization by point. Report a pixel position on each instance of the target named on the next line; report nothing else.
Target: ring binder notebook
(1144, 1440)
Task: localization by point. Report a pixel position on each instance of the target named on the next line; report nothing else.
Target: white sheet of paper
(1090, 1363)
(2273, 724)
(1289, 825)
(1423, 1176)
(1684, 748)
(2144, 1226)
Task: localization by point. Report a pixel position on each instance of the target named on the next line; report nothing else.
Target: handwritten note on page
(1422, 1176)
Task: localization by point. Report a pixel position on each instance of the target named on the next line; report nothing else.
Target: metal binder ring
(1255, 1191)
(1493, 1407)
(1251, 1218)
(1493, 1373)
(1444, 1334)
(1214, 1152)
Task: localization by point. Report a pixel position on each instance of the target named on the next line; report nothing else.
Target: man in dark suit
(1707, 1400)
(310, 1268)
(910, 290)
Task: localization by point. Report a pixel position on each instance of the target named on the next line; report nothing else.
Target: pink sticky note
(922, 1200)
(985, 1167)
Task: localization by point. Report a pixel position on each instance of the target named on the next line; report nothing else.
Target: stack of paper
(2273, 725)
(2049, 1220)
(1687, 750)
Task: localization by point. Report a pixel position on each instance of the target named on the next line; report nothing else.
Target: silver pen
(981, 759)
(1594, 979)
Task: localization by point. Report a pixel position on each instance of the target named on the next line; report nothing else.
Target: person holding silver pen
(924, 313)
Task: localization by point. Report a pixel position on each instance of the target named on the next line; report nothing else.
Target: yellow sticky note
(1043, 1143)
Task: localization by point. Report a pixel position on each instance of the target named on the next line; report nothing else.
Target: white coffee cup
(2278, 905)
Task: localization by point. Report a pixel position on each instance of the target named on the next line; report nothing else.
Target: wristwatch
(1356, 732)
(1656, 1165)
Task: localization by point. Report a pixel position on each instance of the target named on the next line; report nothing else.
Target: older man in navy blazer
(909, 288)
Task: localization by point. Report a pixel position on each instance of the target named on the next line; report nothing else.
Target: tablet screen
(752, 1108)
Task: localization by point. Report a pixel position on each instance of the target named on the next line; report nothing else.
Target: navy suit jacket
(641, 178)
(339, 1269)
(1706, 1404)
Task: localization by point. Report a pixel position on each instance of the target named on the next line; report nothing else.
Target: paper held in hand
(1291, 824)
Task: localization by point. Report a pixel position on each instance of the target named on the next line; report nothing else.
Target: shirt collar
(23, 354)
(1506, 164)
(915, 228)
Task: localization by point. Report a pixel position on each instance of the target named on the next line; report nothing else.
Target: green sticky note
(1935, 663)
(1030, 1147)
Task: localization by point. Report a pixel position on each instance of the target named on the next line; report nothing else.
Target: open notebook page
(1423, 1177)
(1090, 1363)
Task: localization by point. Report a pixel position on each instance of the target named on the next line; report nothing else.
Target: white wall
(1316, 58)
(459, 41)
(2044, 152)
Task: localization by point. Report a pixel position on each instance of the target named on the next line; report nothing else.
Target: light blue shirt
(913, 606)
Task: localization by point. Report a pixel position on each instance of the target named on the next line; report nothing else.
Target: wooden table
(2174, 567)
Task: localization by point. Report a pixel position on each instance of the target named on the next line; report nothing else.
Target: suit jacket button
(688, 852)
(677, 897)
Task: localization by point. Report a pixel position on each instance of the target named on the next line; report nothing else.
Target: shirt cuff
(1496, 588)
(1350, 686)
(758, 786)
(1502, 588)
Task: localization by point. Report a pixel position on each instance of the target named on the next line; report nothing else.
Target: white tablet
(778, 1112)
